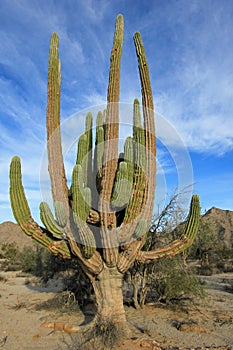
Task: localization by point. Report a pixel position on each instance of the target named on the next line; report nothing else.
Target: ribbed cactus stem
(81, 208)
(78, 203)
(88, 126)
(149, 127)
(104, 116)
(60, 213)
(192, 223)
(136, 114)
(141, 229)
(98, 159)
(56, 165)
(54, 80)
(99, 119)
(181, 243)
(88, 132)
(139, 137)
(99, 148)
(49, 221)
(18, 199)
(122, 187)
(87, 199)
(23, 216)
(82, 149)
(129, 158)
(110, 158)
(138, 198)
(82, 155)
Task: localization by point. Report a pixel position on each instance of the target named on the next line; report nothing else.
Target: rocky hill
(10, 232)
(221, 224)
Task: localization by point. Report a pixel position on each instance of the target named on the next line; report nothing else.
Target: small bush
(62, 301)
(10, 251)
(107, 332)
(27, 259)
(205, 271)
(172, 281)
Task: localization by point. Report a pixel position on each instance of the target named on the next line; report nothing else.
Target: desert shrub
(9, 250)
(107, 332)
(10, 253)
(27, 259)
(74, 279)
(205, 270)
(62, 301)
(172, 281)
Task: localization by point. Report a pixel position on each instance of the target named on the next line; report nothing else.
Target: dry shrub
(62, 301)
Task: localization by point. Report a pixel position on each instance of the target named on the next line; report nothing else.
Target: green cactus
(192, 222)
(103, 219)
(139, 137)
(81, 208)
(88, 132)
(122, 187)
(129, 158)
(49, 222)
(23, 216)
(141, 229)
(21, 212)
(60, 213)
(82, 149)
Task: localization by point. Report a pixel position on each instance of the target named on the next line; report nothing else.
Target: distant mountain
(221, 224)
(10, 232)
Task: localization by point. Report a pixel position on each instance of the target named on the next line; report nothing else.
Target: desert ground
(205, 324)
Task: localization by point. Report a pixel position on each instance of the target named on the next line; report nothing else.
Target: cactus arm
(98, 160)
(88, 132)
(23, 216)
(81, 209)
(129, 157)
(60, 214)
(144, 183)
(82, 149)
(99, 144)
(110, 157)
(122, 188)
(55, 157)
(142, 200)
(139, 194)
(139, 136)
(180, 244)
(99, 150)
(84, 152)
(56, 165)
(148, 115)
(129, 255)
(49, 222)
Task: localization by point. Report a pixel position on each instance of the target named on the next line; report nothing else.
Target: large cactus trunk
(109, 299)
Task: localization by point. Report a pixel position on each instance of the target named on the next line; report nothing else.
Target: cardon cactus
(103, 218)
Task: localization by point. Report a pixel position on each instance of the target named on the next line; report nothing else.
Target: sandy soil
(206, 325)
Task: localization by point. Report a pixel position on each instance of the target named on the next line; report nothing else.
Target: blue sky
(189, 47)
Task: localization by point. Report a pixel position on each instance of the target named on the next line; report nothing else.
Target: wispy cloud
(199, 99)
